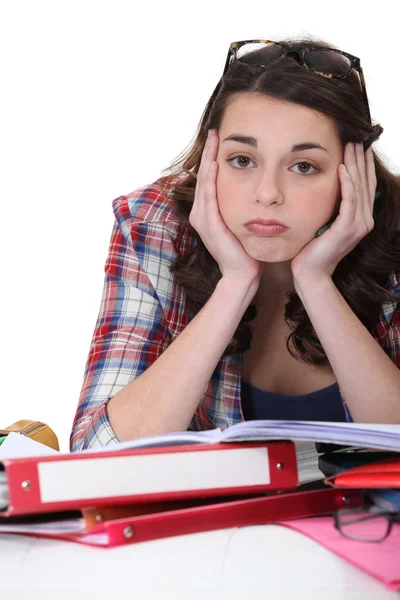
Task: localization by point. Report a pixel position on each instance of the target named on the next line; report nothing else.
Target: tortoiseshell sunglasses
(325, 62)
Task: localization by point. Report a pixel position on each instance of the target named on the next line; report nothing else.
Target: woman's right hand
(205, 217)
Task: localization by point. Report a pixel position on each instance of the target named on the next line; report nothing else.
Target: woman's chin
(269, 252)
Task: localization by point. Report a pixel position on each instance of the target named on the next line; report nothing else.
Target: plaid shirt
(142, 311)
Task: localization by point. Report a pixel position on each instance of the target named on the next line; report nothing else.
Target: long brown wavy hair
(362, 275)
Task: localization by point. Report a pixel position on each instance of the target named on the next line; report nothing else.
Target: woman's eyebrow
(251, 141)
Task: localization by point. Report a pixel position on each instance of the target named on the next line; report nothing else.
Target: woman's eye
(242, 164)
(230, 160)
(307, 165)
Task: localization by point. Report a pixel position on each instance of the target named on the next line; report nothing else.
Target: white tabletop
(262, 561)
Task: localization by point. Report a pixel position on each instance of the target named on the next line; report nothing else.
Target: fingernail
(351, 147)
(210, 132)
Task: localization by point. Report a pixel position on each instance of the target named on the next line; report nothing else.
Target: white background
(97, 99)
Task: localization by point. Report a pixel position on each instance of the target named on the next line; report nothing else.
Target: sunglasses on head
(325, 62)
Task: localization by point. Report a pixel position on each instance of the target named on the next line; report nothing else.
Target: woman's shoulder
(149, 204)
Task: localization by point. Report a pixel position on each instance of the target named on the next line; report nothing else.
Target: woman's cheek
(224, 191)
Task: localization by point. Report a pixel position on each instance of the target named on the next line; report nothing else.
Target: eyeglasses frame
(301, 51)
(390, 517)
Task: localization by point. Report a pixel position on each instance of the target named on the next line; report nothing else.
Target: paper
(367, 435)
(381, 436)
(378, 559)
(180, 438)
(18, 445)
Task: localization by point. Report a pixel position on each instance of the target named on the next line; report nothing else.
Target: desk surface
(261, 561)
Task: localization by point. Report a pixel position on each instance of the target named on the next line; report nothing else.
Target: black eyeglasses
(365, 525)
(325, 62)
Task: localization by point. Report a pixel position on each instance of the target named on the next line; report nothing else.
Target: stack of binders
(133, 495)
(178, 483)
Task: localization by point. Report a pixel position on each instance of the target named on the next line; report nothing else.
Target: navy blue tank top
(322, 405)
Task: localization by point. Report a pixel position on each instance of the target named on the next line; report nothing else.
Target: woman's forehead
(255, 106)
(271, 120)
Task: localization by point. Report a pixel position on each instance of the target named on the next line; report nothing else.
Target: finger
(210, 196)
(213, 148)
(201, 175)
(367, 199)
(348, 206)
(206, 161)
(362, 169)
(360, 160)
(359, 196)
(200, 181)
(352, 169)
(371, 176)
(208, 207)
(210, 170)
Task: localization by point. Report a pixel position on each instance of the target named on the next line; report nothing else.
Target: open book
(367, 435)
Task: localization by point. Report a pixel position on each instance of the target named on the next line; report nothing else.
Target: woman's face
(268, 180)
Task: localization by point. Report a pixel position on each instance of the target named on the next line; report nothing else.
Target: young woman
(207, 320)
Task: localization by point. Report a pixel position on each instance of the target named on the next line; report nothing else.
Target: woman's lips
(266, 230)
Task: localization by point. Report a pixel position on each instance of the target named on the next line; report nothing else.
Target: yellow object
(38, 431)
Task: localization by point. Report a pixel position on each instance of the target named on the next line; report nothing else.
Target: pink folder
(379, 559)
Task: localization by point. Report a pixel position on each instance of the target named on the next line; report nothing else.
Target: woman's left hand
(357, 176)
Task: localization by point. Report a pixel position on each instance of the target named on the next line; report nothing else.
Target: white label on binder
(152, 473)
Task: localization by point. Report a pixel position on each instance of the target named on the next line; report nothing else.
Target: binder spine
(254, 511)
(31, 482)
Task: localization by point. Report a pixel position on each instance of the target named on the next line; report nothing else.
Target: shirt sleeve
(392, 337)
(131, 331)
(387, 333)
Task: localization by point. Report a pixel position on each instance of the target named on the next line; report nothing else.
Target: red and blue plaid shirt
(142, 311)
